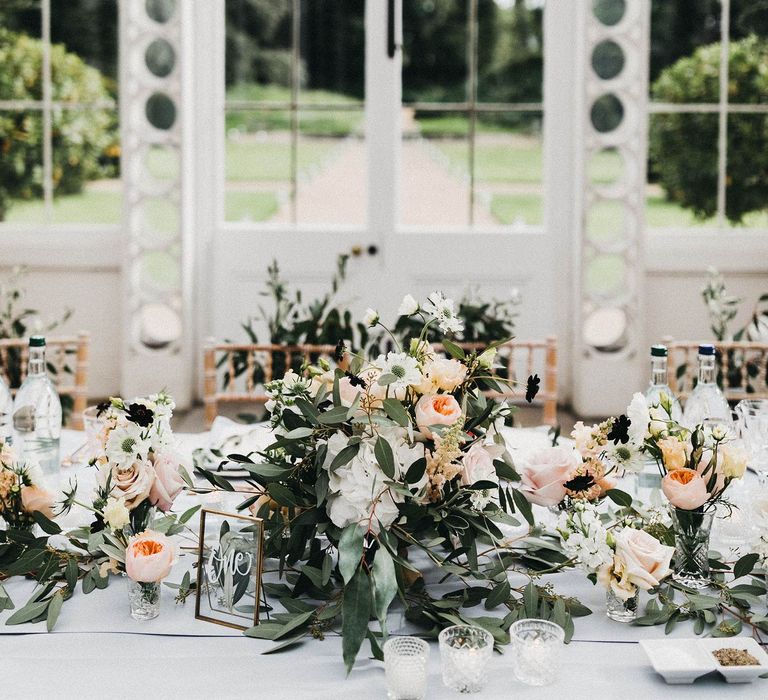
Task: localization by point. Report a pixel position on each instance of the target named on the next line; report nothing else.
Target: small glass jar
(692, 531)
(405, 666)
(621, 610)
(144, 599)
(536, 647)
(464, 655)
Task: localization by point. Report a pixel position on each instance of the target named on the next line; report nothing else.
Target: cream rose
(646, 560)
(445, 373)
(734, 460)
(545, 472)
(34, 498)
(477, 465)
(436, 409)
(685, 488)
(149, 557)
(116, 515)
(674, 453)
(134, 483)
(168, 482)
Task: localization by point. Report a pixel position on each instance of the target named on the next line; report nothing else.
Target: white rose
(408, 306)
(645, 560)
(734, 460)
(116, 515)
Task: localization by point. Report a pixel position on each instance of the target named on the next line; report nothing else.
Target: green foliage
(84, 141)
(683, 147)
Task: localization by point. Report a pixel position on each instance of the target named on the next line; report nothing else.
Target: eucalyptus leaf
(350, 551)
(384, 585)
(57, 600)
(356, 610)
(384, 457)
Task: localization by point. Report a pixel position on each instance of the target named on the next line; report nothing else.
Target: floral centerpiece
(380, 472)
(697, 465)
(23, 498)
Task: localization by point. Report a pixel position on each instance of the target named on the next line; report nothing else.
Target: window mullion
(47, 111)
(722, 128)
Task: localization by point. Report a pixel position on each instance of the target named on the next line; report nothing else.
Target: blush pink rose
(436, 409)
(646, 560)
(149, 557)
(133, 484)
(684, 488)
(33, 498)
(477, 465)
(168, 482)
(545, 473)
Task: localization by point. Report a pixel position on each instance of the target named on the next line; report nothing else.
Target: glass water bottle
(37, 413)
(707, 404)
(658, 384)
(6, 413)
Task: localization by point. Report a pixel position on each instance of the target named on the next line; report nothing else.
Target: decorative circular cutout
(160, 58)
(160, 111)
(609, 12)
(159, 326)
(162, 162)
(605, 167)
(605, 330)
(606, 276)
(160, 10)
(607, 113)
(607, 59)
(606, 223)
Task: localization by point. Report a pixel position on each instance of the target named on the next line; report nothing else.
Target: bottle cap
(37, 341)
(658, 350)
(707, 350)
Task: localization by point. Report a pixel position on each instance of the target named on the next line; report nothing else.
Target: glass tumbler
(536, 647)
(464, 655)
(405, 667)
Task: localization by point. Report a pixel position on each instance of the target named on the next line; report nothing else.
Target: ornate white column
(611, 136)
(154, 87)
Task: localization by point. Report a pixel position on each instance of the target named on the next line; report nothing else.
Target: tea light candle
(464, 654)
(405, 666)
(536, 646)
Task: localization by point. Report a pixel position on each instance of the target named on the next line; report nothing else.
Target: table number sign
(229, 569)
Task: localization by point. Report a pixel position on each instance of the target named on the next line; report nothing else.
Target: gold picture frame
(223, 579)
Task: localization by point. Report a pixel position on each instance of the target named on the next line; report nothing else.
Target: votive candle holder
(464, 655)
(536, 647)
(405, 668)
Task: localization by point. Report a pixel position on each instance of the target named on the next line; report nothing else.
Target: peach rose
(704, 469)
(545, 473)
(684, 488)
(477, 465)
(168, 482)
(33, 498)
(674, 453)
(645, 559)
(149, 557)
(132, 484)
(436, 409)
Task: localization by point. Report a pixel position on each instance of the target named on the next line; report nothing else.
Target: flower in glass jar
(674, 453)
(685, 488)
(149, 557)
(168, 482)
(436, 409)
(645, 561)
(133, 483)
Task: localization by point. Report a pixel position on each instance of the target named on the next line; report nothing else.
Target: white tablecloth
(98, 651)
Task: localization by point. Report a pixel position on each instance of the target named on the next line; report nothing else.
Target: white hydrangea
(760, 547)
(584, 537)
(640, 418)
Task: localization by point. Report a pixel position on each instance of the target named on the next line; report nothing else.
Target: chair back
(67, 359)
(237, 372)
(741, 368)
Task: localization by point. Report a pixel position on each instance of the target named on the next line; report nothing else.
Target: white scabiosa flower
(408, 306)
(443, 310)
(126, 445)
(402, 367)
(371, 317)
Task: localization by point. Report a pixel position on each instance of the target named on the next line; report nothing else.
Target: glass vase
(621, 610)
(144, 599)
(692, 530)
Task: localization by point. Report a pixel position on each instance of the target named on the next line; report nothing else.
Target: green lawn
(249, 159)
(250, 206)
(508, 208)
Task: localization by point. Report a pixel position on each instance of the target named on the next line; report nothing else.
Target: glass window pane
(684, 54)
(21, 17)
(682, 172)
(21, 167)
(435, 41)
(508, 169)
(746, 193)
(510, 51)
(86, 166)
(258, 166)
(434, 176)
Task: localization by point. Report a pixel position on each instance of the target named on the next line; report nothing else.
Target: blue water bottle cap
(706, 350)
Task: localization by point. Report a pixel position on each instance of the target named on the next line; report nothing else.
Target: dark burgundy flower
(619, 431)
(338, 354)
(583, 482)
(140, 414)
(354, 380)
(101, 408)
(532, 387)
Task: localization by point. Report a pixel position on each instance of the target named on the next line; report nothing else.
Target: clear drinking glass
(752, 416)
(144, 599)
(464, 655)
(536, 647)
(405, 667)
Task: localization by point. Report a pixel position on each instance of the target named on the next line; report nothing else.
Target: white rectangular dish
(738, 674)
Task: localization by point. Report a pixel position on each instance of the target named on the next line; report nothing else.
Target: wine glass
(753, 425)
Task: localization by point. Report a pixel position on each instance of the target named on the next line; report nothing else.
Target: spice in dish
(728, 656)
